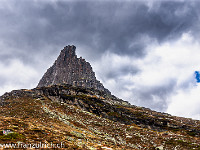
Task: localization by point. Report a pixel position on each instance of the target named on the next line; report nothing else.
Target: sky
(146, 52)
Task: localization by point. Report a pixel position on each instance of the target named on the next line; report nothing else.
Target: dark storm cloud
(117, 73)
(119, 27)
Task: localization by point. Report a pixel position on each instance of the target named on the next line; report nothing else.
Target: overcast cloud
(145, 52)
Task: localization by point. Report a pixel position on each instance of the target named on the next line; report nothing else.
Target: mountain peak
(69, 51)
(68, 69)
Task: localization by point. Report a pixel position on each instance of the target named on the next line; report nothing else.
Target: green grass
(12, 136)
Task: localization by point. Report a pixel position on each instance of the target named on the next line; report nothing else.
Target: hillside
(89, 119)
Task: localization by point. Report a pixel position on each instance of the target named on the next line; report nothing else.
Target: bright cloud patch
(186, 103)
(16, 75)
(174, 62)
(164, 81)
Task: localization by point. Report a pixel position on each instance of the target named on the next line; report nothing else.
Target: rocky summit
(71, 109)
(68, 69)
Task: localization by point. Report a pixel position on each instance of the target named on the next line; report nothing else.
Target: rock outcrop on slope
(83, 118)
(68, 69)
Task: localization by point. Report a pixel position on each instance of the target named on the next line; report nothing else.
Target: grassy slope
(43, 120)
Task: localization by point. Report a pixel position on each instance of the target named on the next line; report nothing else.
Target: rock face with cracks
(69, 69)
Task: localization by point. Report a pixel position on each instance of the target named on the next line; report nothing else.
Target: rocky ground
(89, 119)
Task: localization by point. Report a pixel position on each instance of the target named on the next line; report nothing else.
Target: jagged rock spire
(69, 69)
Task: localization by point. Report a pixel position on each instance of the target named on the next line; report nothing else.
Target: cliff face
(68, 69)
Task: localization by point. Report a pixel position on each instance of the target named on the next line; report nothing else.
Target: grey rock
(68, 69)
